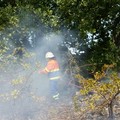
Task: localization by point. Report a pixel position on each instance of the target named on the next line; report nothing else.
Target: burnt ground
(30, 106)
(44, 108)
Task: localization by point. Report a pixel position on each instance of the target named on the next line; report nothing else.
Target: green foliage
(97, 19)
(83, 17)
(103, 55)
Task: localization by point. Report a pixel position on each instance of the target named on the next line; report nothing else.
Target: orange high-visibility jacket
(52, 69)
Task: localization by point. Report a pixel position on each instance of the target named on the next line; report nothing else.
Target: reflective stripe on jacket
(53, 70)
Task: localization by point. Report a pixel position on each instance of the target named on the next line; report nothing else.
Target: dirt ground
(44, 109)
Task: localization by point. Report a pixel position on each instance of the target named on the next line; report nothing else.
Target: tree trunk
(110, 111)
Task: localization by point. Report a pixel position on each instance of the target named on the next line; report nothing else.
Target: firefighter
(53, 72)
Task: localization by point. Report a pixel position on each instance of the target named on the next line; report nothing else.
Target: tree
(98, 20)
(99, 93)
(92, 27)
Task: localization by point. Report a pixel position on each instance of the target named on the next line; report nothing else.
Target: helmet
(49, 55)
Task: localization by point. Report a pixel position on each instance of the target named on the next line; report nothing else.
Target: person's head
(49, 55)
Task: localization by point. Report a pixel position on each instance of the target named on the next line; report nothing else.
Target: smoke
(23, 90)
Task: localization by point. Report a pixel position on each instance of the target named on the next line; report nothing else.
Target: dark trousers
(53, 87)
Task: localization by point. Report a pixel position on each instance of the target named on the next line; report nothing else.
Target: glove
(40, 72)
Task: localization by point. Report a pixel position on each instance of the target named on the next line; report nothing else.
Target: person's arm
(42, 71)
(47, 69)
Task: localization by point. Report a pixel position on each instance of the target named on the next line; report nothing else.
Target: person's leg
(54, 88)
